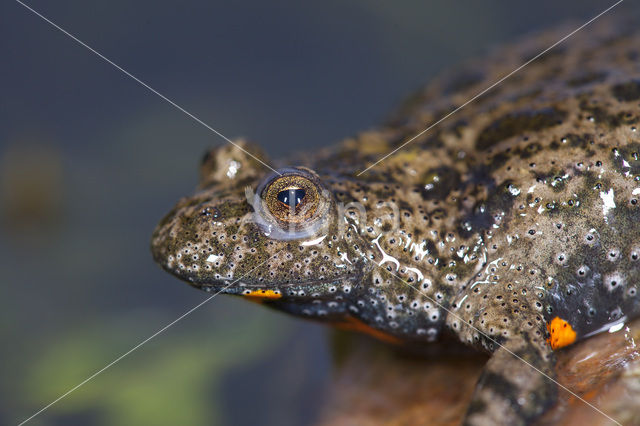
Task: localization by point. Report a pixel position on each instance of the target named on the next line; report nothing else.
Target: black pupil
(291, 197)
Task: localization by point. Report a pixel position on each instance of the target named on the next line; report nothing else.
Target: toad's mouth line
(293, 288)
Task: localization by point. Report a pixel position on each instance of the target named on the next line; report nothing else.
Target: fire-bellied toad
(513, 225)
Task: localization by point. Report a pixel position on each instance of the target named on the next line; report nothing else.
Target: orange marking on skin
(587, 396)
(561, 333)
(354, 324)
(263, 294)
(591, 394)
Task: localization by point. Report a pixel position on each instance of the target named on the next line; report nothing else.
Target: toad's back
(514, 223)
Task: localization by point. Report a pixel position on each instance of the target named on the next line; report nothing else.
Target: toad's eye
(291, 197)
(292, 204)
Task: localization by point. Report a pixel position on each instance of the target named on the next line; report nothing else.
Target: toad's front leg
(517, 384)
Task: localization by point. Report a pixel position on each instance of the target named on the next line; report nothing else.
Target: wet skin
(514, 225)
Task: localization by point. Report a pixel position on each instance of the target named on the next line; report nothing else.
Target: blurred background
(90, 161)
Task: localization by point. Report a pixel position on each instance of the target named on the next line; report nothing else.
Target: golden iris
(292, 198)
